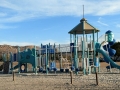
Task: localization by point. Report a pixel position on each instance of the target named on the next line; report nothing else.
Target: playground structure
(82, 49)
(106, 51)
(29, 56)
(88, 54)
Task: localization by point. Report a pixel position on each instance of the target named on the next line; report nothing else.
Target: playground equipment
(64, 52)
(50, 53)
(87, 53)
(48, 60)
(81, 48)
(27, 56)
(110, 52)
(8, 58)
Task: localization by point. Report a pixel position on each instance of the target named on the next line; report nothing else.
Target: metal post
(19, 59)
(71, 50)
(86, 42)
(88, 59)
(83, 52)
(70, 38)
(98, 55)
(49, 52)
(71, 56)
(75, 54)
(11, 61)
(46, 60)
(94, 49)
(35, 60)
(54, 53)
(60, 58)
(90, 44)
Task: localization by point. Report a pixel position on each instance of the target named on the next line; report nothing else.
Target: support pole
(71, 77)
(46, 60)
(96, 78)
(71, 47)
(19, 60)
(98, 55)
(88, 60)
(71, 56)
(11, 61)
(35, 60)
(13, 75)
(60, 57)
(54, 53)
(40, 58)
(83, 48)
(75, 54)
(94, 49)
(49, 52)
(90, 44)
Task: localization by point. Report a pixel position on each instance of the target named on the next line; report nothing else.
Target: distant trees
(116, 46)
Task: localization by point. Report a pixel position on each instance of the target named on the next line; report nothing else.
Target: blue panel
(50, 49)
(72, 49)
(15, 57)
(44, 49)
(52, 65)
(105, 47)
(111, 52)
(97, 62)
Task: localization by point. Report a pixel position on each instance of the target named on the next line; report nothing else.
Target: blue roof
(108, 32)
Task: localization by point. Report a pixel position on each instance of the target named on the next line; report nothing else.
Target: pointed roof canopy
(79, 28)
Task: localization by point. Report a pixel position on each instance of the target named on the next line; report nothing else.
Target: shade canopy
(83, 26)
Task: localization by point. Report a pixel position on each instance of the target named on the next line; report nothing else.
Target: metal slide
(108, 59)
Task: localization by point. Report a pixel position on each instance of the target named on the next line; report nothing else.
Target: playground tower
(83, 28)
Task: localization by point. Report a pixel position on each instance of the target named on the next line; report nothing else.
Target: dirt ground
(61, 81)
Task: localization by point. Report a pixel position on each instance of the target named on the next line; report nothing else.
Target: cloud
(2, 26)
(102, 23)
(21, 10)
(99, 21)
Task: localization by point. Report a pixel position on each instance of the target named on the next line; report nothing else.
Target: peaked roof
(88, 28)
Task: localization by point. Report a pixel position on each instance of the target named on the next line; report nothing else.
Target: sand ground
(61, 81)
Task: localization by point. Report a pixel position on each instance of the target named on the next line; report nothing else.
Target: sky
(32, 22)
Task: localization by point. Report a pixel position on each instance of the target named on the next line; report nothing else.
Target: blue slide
(108, 59)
